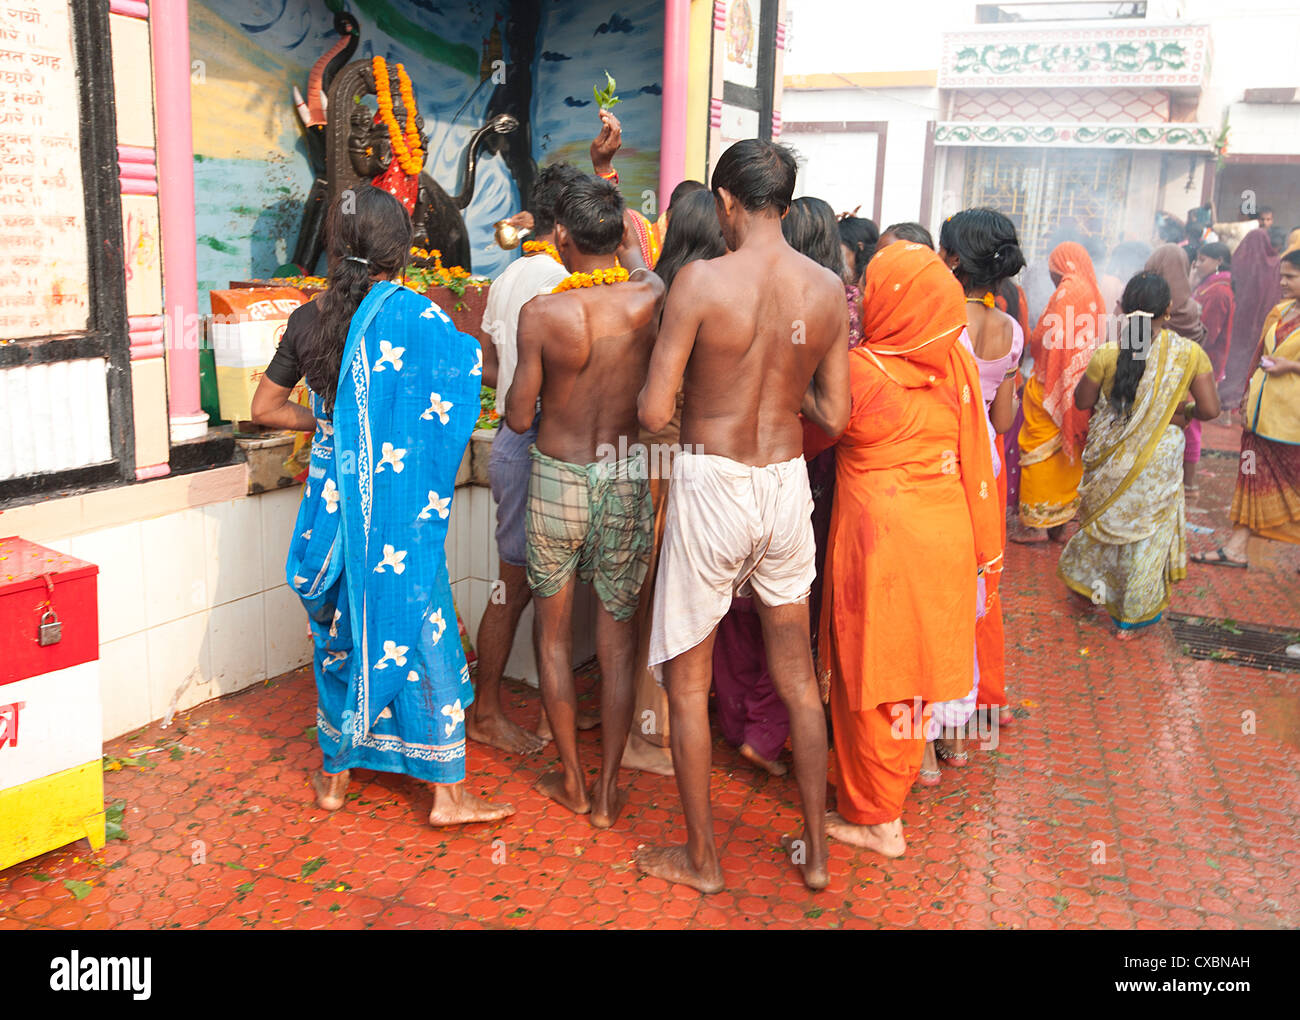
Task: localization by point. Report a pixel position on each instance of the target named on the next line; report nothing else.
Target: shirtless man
(761, 335)
(586, 351)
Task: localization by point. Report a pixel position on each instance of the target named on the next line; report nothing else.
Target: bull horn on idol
(508, 236)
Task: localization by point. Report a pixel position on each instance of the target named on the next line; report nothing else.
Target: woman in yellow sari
(1054, 428)
(1133, 541)
(1267, 499)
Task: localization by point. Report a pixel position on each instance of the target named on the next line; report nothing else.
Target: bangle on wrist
(611, 176)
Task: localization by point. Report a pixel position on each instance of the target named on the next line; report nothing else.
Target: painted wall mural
(252, 171)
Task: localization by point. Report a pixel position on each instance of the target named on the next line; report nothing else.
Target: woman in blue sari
(394, 398)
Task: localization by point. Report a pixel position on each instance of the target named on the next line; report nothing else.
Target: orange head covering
(1064, 339)
(913, 311)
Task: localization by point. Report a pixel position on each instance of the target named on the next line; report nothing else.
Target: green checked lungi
(595, 519)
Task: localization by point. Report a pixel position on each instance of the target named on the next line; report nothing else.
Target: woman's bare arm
(272, 406)
(1002, 412)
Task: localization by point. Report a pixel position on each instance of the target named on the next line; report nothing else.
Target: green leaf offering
(80, 890)
(605, 99)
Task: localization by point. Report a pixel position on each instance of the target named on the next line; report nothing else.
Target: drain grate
(1243, 644)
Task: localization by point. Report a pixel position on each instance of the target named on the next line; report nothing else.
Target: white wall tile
(233, 545)
(279, 509)
(175, 571)
(482, 522)
(478, 596)
(124, 684)
(118, 554)
(180, 665)
(237, 637)
(458, 553)
(288, 639)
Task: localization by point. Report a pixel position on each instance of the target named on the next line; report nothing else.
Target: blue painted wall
(252, 175)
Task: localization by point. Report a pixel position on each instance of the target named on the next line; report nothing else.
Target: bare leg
(455, 805)
(1236, 546)
(616, 652)
(554, 642)
(1189, 474)
(789, 661)
(689, 677)
(485, 721)
(331, 789)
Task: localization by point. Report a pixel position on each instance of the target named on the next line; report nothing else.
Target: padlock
(51, 632)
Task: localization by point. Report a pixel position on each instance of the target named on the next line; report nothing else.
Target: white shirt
(522, 281)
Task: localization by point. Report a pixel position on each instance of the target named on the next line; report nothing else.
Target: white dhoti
(731, 528)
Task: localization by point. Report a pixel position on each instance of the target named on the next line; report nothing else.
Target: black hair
(910, 231)
(810, 229)
(693, 233)
(1149, 293)
(986, 247)
(1264, 210)
(1009, 293)
(860, 235)
(1217, 250)
(546, 191)
(1169, 228)
(591, 210)
(1277, 237)
(758, 174)
(363, 223)
(1292, 258)
(682, 190)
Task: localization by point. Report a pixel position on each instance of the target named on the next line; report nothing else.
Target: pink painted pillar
(672, 138)
(170, 27)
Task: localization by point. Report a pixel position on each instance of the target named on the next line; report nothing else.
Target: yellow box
(51, 812)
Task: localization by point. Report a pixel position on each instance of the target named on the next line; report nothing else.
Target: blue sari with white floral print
(368, 556)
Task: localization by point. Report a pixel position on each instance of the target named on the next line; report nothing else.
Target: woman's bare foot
(455, 805)
(885, 839)
(554, 786)
(673, 864)
(1028, 536)
(607, 802)
(648, 757)
(499, 732)
(331, 790)
(816, 874)
(774, 768)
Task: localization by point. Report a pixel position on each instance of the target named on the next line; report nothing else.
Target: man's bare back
(766, 318)
(595, 345)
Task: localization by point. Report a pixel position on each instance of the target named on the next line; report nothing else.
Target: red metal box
(34, 579)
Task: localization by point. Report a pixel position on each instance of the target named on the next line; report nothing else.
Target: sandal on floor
(957, 759)
(929, 777)
(1219, 558)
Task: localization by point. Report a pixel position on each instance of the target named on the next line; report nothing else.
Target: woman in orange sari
(915, 521)
(1054, 430)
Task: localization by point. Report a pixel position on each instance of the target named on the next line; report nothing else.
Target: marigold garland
(533, 247)
(615, 274)
(406, 150)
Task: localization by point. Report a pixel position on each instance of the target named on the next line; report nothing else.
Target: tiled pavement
(1124, 796)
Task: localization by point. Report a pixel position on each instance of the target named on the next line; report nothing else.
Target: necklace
(986, 300)
(534, 247)
(615, 274)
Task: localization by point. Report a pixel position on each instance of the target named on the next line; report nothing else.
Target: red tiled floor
(1125, 795)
